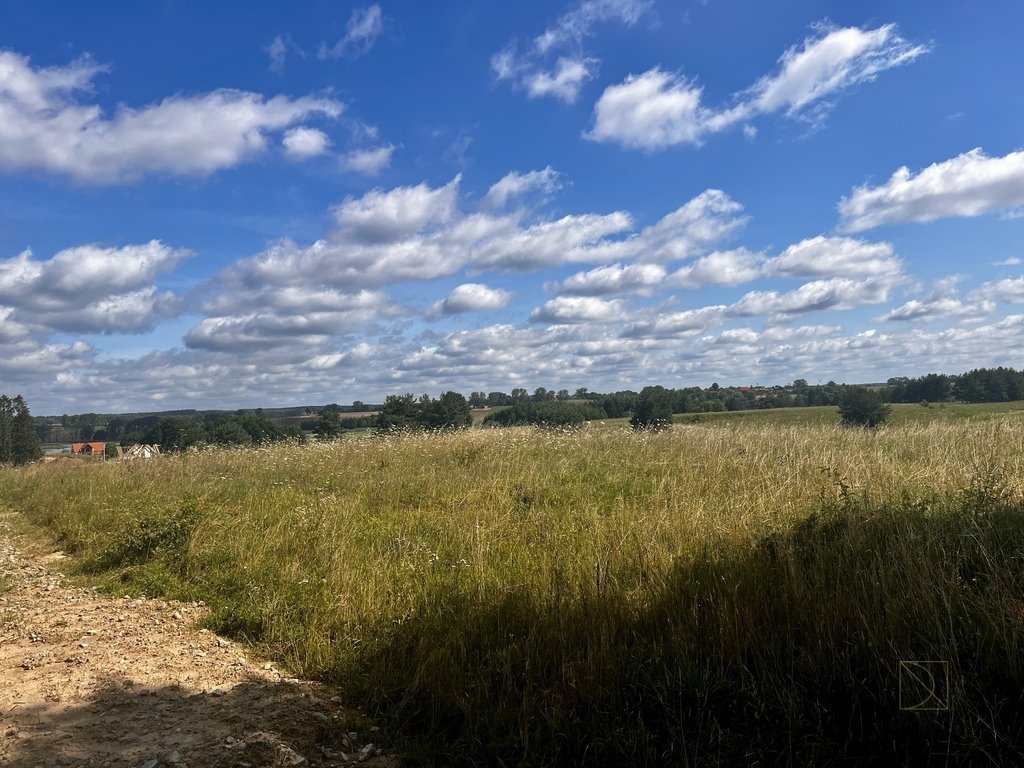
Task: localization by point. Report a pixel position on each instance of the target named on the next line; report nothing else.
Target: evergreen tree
(6, 424)
(24, 441)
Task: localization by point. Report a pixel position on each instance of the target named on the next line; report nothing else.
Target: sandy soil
(87, 680)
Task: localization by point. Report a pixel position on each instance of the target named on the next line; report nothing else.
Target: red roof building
(88, 448)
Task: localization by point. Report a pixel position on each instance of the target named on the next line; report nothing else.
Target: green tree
(860, 407)
(328, 426)
(24, 440)
(6, 425)
(451, 411)
(653, 409)
(398, 412)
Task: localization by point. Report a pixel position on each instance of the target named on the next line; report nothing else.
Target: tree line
(652, 407)
(982, 385)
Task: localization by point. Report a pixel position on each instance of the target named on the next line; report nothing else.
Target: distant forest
(178, 430)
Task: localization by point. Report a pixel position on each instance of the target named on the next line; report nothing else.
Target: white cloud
(569, 239)
(1013, 261)
(364, 26)
(515, 185)
(570, 310)
(677, 325)
(834, 60)
(970, 184)
(564, 82)
(613, 279)
(89, 288)
(44, 125)
(29, 362)
(368, 162)
(469, 297)
(650, 111)
(304, 143)
(577, 24)
(530, 69)
(658, 109)
(278, 53)
(937, 307)
(835, 257)
(690, 230)
(419, 233)
(389, 216)
(720, 268)
(1009, 290)
(815, 296)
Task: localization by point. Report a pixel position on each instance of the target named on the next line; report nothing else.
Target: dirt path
(87, 680)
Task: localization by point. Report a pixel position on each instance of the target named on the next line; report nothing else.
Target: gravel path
(87, 680)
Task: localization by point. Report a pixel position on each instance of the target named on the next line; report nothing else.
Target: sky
(224, 205)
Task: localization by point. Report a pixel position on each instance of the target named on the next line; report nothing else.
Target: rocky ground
(87, 680)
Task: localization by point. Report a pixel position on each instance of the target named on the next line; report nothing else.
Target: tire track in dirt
(87, 680)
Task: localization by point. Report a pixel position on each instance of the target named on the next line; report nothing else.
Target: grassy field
(701, 596)
(902, 413)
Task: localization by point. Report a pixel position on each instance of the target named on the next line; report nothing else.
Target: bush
(653, 409)
(860, 407)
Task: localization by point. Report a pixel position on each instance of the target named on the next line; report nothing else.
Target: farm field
(697, 596)
(902, 413)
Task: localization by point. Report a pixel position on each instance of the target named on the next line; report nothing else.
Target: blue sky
(226, 205)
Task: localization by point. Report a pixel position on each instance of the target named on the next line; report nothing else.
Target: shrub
(860, 407)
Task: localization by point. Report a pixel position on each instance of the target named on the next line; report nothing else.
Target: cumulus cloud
(1013, 261)
(815, 296)
(364, 26)
(936, 307)
(814, 257)
(690, 230)
(531, 70)
(970, 184)
(89, 288)
(304, 143)
(653, 110)
(516, 185)
(835, 257)
(613, 279)
(659, 109)
(31, 362)
(720, 268)
(469, 297)
(368, 162)
(564, 81)
(420, 233)
(677, 325)
(1010, 290)
(570, 310)
(47, 124)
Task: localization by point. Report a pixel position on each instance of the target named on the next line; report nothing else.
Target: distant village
(99, 450)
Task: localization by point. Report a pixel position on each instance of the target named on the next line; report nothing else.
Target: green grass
(700, 596)
(902, 413)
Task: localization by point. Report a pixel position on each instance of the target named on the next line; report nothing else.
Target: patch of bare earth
(87, 680)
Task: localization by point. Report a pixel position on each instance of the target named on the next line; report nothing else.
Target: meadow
(729, 591)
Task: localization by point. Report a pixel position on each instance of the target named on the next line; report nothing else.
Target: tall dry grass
(695, 597)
